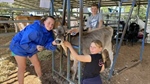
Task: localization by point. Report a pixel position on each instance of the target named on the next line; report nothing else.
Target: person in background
(93, 22)
(96, 18)
(32, 39)
(94, 62)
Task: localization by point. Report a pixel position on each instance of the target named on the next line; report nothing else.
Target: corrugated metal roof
(34, 4)
(58, 4)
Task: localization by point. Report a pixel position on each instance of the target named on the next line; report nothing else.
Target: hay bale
(6, 67)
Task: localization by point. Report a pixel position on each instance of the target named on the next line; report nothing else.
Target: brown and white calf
(104, 35)
(21, 25)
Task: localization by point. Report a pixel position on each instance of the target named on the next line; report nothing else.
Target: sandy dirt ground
(128, 56)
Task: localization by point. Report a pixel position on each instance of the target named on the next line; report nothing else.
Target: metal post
(53, 57)
(68, 23)
(143, 40)
(52, 7)
(53, 63)
(12, 15)
(99, 4)
(120, 5)
(71, 9)
(124, 31)
(61, 49)
(61, 52)
(64, 11)
(80, 35)
(61, 60)
(138, 7)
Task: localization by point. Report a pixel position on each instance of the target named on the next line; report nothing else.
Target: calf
(22, 25)
(104, 35)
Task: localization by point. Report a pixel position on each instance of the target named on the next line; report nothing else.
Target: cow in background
(21, 25)
(4, 25)
(132, 33)
(104, 35)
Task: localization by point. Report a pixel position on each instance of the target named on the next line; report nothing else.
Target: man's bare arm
(100, 24)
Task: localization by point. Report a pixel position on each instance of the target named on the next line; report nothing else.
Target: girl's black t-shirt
(92, 69)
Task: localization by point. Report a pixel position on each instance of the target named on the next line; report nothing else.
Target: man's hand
(73, 31)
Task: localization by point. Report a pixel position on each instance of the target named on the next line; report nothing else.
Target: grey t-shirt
(93, 21)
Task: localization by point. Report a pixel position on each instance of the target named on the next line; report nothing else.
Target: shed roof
(34, 4)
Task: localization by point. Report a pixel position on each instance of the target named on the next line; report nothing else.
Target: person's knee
(34, 60)
(36, 64)
(21, 62)
(22, 68)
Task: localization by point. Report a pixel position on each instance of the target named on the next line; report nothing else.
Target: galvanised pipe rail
(53, 56)
(24, 9)
(118, 48)
(68, 57)
(19, 21)
(120, 5)
(71, 82)
(145, 27)
(64, 12)
(80, 35)
(68, 24)
(16, 21)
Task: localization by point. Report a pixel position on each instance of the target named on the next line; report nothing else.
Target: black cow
(132, 33)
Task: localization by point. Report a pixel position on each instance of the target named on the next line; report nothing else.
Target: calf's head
(60, 34)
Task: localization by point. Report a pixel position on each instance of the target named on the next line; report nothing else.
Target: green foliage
(126, 8)
(105, 9)
(142, 11)
(7, 11)
(3, 4)
(4, 11)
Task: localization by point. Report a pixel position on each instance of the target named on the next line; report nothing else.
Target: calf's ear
(55, 32)
(65, 28)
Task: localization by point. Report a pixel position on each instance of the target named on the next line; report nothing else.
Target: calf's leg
(74, 68)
